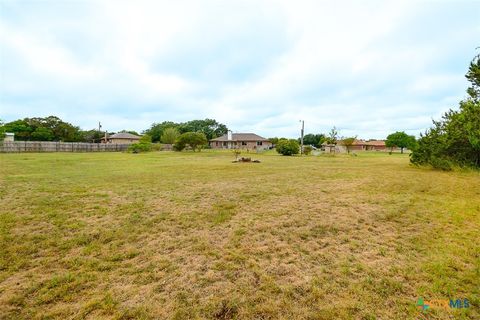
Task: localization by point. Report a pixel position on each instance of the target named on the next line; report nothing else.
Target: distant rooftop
(123, 135)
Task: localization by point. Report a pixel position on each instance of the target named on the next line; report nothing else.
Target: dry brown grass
(186, 236)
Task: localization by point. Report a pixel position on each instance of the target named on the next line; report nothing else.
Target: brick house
(377, 145)
(358, 145)
(249, 141)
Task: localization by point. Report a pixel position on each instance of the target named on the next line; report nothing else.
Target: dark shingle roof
(241, 137)
(123, 135)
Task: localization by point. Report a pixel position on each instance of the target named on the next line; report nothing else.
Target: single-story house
(375, 145)
(122, 138)
(357, 145)
(249, 141)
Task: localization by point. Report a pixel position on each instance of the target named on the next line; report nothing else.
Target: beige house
(249, 141)
(122, 138)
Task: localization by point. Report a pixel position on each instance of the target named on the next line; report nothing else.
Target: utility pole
(301, 136)
(99, 131)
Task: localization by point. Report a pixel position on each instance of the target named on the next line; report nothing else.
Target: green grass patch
(192, 235)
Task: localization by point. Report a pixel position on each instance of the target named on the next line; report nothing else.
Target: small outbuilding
(357, 145)
(9, 137)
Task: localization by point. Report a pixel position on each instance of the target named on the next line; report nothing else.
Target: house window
(224, 144)
(216, 143)
(244, 143)
(259, 143)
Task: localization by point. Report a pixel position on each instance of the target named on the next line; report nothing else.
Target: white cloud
(367, 67)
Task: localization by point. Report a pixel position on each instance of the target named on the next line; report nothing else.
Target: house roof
(241, 137)
(356, 142)
(376, 143)
(124, 135)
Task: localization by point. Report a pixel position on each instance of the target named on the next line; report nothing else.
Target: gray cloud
(368, 68)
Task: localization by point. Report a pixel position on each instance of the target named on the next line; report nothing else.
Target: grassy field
(186, 236)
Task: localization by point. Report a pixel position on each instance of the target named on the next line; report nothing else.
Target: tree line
(168, 131)
(286, 146)
(53, 128)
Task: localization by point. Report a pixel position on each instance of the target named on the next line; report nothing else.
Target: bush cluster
(143, 145)
(287, 147)
(455, 139)
(307, 150)
(195, 140)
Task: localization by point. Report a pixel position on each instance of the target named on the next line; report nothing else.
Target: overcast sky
(366, 67)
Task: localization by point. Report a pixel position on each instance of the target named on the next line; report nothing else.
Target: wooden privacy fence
(49, 146)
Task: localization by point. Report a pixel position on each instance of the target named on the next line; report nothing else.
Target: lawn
(192, 235)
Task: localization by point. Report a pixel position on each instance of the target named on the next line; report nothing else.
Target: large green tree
(400, 140)
(196, 141)
(455, 139)
(210, 127)
(20, 128)
(273, 140)
(157, 129)
(42, 134)
(92, 135)
(2, 130)
(46, 129)
(314, 139)
(473, 75)
(170, 135)
(130, 131)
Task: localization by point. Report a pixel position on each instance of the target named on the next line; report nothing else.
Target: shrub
(287, 147)
(178, 146)
(307, 150)
(156, 146)
(442, 164)
(139, 147)
(170, 135)
(143, 145)
(195, 140)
